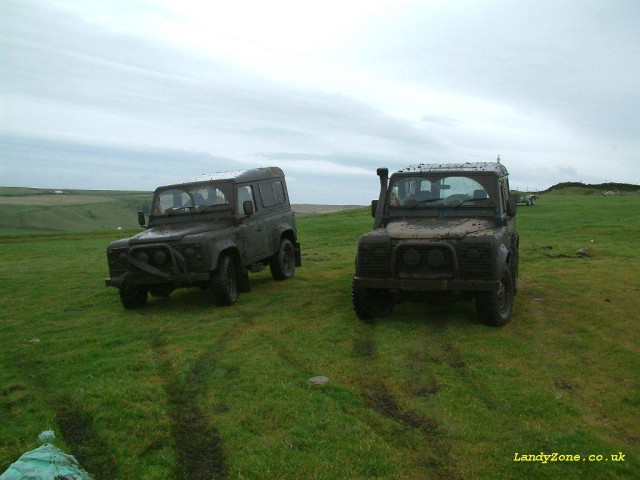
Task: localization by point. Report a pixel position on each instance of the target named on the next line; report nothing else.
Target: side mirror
(141, 220)
(247, 207)
(511, 207)
(374, 207)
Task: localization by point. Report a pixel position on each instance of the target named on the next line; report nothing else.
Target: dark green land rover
(208, 232)
(440, 230)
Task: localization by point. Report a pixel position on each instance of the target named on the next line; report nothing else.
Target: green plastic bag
(45, 463)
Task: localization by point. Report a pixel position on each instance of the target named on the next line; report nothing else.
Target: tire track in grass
(75, 424)
(380, 399)
(198, 443)
(76, 427)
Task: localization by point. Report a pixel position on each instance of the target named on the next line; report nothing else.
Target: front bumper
(173, 271)
(139, 278)
(424, 285)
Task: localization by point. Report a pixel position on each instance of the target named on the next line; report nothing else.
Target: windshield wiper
(472, 200)
(177, 210)
(423, 202)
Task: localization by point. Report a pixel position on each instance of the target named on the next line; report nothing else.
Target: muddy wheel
(494, 308)
(369, 304)
(133, 296)
(283, 263)
(225, 282)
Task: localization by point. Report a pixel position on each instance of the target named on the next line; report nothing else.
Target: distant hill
(25, 210)
(51, 210)
(594, 188)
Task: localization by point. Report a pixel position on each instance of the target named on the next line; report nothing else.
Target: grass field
(184, 389)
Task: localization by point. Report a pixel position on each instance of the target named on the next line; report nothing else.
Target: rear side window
(279, 192)
(271, 194)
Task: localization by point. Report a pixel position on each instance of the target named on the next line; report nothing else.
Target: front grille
(474, 261)
(374, 261)
(158, 256)
(424, 261)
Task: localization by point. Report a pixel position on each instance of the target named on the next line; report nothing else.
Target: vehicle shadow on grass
(197, 298)
(439, 313)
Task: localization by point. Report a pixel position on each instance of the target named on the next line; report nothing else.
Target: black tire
(283, 263)
(369, 304)
(225, 282)
(494, 308)
(133, 296)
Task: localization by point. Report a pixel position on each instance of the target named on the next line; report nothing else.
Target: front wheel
(133, 296)
(494, 308)
(283, 263)
(225, 282)
(369, 304)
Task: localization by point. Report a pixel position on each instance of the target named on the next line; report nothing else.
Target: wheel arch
(227, 247)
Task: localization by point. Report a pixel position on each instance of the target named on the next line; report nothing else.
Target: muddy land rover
(440, 229)
(208, 232)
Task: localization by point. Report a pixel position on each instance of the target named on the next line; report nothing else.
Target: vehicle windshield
(189, 198)
(453, 191)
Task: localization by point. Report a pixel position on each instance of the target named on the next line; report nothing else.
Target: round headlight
(189, 252)
(143, 257)
(411, 258)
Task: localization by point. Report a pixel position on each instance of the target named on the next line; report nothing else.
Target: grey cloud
(46, 162)
(134, 77)
(576, 61)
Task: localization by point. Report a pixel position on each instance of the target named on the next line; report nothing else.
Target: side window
(245, 193)
(279, 192)
(272, 193)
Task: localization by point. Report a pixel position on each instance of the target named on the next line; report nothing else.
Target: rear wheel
(225, 282)
(494, 308)
(283, 263)
(133, 296)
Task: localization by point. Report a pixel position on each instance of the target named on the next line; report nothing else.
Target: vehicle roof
(237, 176)
(494, 168)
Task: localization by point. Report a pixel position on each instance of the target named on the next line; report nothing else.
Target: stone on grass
(319, 380)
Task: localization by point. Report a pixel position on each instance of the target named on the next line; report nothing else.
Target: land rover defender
(208, 232)
(440, 229)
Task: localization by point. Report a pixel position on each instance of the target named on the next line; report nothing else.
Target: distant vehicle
(440, 229)
(208, 232)
(528, 199)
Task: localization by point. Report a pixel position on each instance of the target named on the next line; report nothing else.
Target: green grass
(184, 389)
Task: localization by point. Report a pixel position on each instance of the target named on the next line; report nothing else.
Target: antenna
(498, 158)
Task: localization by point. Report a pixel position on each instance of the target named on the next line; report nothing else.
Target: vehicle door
(252, 233)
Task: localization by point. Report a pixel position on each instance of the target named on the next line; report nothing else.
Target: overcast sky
(130, 95)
